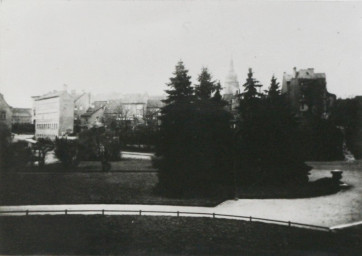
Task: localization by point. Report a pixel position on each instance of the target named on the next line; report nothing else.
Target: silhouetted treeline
(347, 113)
(203, 148)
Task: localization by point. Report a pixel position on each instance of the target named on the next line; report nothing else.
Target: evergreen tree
(274, 89)
(192, 154)
(251, 87)
(180, 90)
(269, 145)
(217, 98)
(206, 86)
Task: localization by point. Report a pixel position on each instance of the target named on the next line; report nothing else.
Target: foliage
(42, 147)
(267, 142)
(274, 89)
(67, 151)
(251, 87)
(15, 155)
(206, 86)
(193, 153)
(180, 90)
(345, 114)
(321, 140)
(217, 98)
(90, 141)
(5, 139)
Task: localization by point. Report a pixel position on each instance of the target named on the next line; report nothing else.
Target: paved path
(338, 209)
(331, 210)
(137, 155)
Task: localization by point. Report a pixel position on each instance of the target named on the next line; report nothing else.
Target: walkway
(338, 209)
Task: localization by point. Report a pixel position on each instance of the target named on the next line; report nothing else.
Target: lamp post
(235, 154)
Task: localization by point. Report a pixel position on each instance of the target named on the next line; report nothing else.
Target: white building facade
(54, 115)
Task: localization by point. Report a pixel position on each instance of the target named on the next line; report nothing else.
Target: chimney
(295, 72)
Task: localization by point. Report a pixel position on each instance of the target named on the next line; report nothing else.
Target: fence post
(66, 211)
(289, 224)
(27, 212)
(140, 212)
(213, 215)
(250, 218)
(178, 214)
(103, 212)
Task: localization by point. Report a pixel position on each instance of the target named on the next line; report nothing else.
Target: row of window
(50, 136)
(47, 126)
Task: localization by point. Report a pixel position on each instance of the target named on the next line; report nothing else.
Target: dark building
(307, 93)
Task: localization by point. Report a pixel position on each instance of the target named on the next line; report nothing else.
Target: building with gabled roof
(5, 112)
(307, 93)
(21, 116)
(93, 117)
(54, 114)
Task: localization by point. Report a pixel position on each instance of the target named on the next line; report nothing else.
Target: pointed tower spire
(231, 82)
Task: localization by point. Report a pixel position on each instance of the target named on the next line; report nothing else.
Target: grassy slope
(129, 182)
(161, 235)
(93, 186)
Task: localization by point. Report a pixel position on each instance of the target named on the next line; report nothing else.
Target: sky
(133, 46)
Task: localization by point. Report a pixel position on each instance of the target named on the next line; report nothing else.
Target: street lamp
(235, 154)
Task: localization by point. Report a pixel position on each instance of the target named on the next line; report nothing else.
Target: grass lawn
(130, 182)
(146, 235)
(125, 165)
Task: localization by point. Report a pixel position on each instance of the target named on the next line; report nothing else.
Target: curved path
(333, 210)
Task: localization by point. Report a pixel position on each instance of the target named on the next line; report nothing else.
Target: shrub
(42, 147)
(89, 143)
(67, 151)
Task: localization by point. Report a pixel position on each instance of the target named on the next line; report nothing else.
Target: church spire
(231, 82)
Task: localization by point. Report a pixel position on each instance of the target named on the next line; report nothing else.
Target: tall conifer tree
(180, 90)
(206, 86)
(274, 89)
(251, 87)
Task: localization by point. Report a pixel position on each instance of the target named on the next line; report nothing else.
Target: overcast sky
(133, 46)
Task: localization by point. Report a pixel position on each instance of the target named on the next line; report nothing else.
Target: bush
(12, 155)
(269, 144)
(42, 147)
(67, 151)
(89, 143)
(17, 156)
(195, 149)
(5, 138)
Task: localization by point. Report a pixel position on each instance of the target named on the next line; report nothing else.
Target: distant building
(82, 102)
(99, 103)
(5, 112)
(129, 109)
(231, 82)
(54, 114)
(231, 89)
(33, 113)
(153, 111)
(93, 117)
(21, 116)
(307, 93)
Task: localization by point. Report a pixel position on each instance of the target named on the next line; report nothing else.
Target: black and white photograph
(181, 127)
